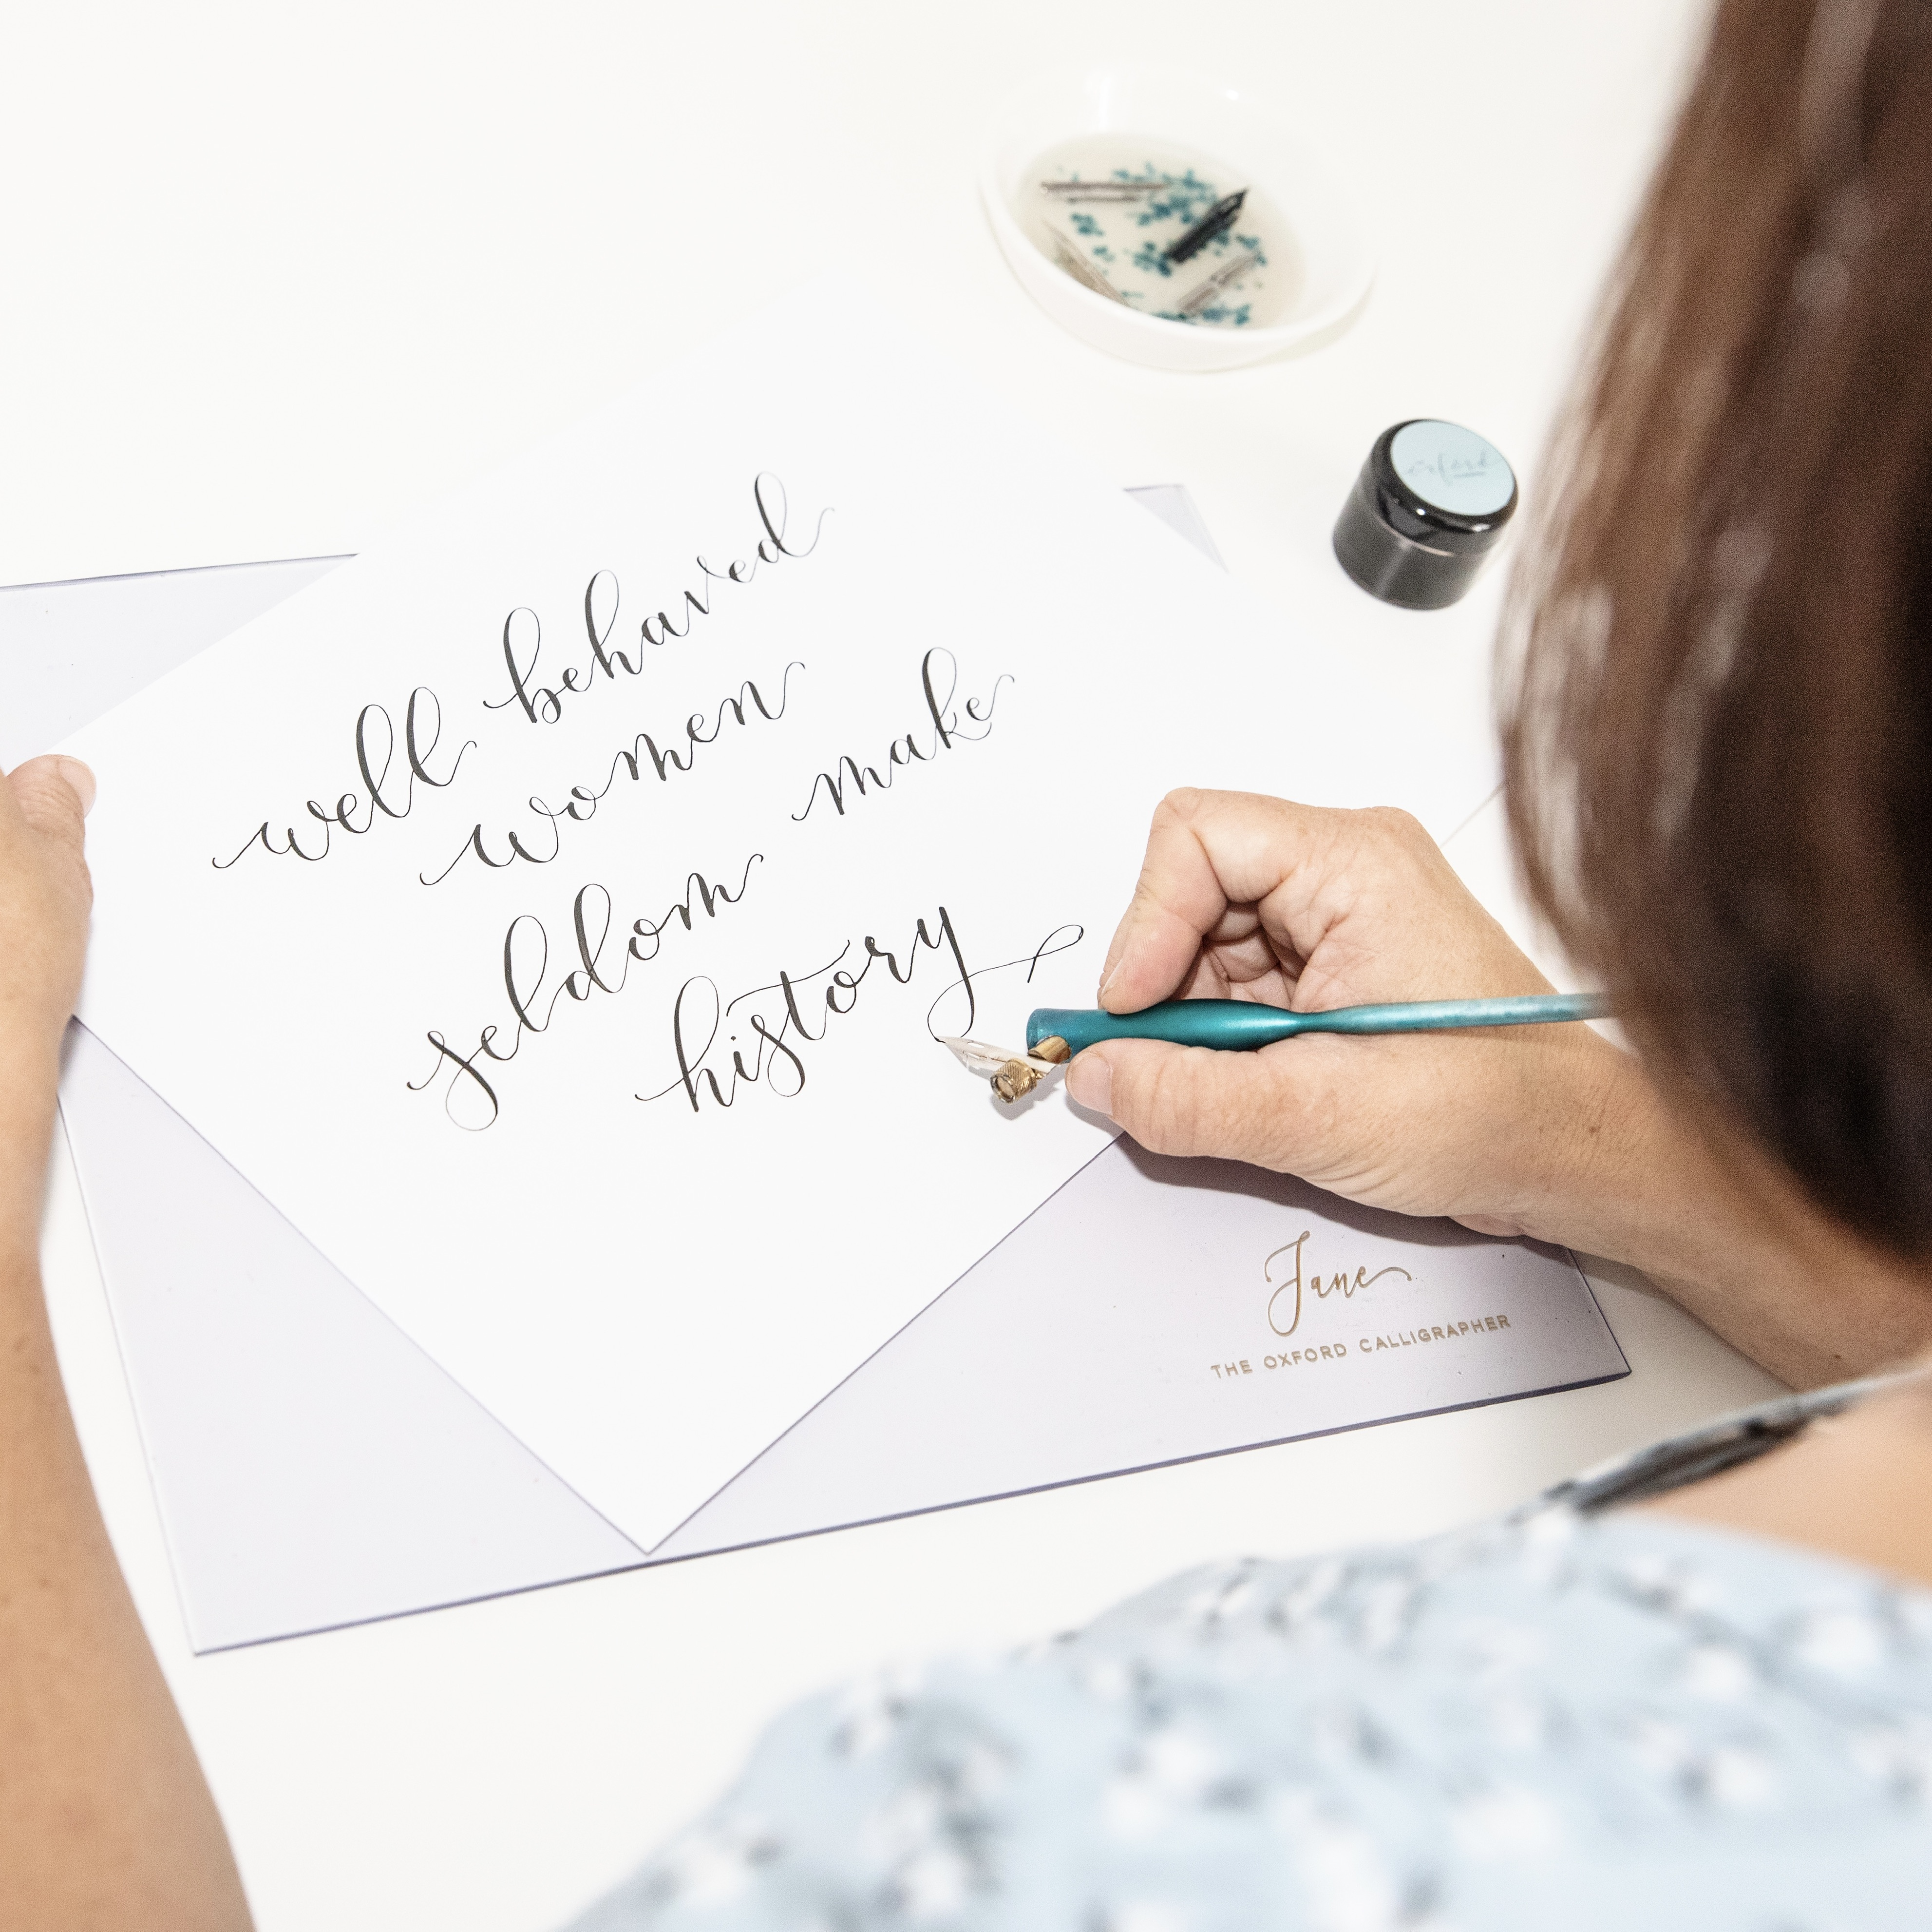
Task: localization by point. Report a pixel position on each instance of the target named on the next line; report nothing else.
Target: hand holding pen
(1257, 900)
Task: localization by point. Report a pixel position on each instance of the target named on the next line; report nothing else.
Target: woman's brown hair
(1716, 667)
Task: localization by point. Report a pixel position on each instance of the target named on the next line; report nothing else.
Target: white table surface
(275, 277)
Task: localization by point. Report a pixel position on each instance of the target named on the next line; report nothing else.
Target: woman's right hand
(1547, 1131)
(1509, 1130)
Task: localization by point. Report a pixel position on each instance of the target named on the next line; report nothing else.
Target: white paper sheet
(648, 1292)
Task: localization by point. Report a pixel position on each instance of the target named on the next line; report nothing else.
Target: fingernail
(1089, 1081)
(1112, 974)
(81, 779)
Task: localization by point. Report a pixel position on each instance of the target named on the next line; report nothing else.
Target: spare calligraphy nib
(1086, 273)
(1012, 1075)
(1184, 247)
(1102, 191)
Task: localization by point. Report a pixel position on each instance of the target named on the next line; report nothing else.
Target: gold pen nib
(1012, 1074)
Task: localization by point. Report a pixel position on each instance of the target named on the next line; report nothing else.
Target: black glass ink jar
(1432, 501)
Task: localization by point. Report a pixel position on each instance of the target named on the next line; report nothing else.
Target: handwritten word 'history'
(775, 1060)
(773, 1032)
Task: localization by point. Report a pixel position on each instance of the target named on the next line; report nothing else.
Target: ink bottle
(1432, 501)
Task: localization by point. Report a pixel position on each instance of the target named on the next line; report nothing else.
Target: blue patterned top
(1562, 1720)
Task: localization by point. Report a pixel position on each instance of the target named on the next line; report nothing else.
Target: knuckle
(1166, 1101)
(1398, 827)
(1179, 805)
(1169, 1113)
(49, 804)
(1131, 1100)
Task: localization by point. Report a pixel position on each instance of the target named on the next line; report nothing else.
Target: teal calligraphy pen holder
(1243, 1025)
(1055, 1034)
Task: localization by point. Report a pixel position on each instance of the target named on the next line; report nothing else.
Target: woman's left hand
(105, 1814)
(45, 898)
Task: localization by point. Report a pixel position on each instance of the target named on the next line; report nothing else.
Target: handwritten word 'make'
(523, 629)
(376, 784)
(904, 752)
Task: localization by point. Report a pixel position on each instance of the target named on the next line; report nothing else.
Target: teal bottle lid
(1432, 500)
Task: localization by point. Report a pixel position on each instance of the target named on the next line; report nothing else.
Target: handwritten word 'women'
(905, 752)
(373, 724)
(701, 727)
(527, 967)
(522, 629)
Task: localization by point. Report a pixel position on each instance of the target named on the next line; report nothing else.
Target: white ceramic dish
(1242, 129)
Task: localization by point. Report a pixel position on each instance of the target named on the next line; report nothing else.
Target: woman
(1614, 1707)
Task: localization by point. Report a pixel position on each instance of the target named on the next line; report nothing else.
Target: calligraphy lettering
(1287, 1295)
(645, 754)
(939, 733)
(522, 639)
(526, 969)
(417, 718)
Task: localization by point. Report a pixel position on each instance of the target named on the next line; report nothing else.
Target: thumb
(42, 803)
(1187, 1100)
(54, 794)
